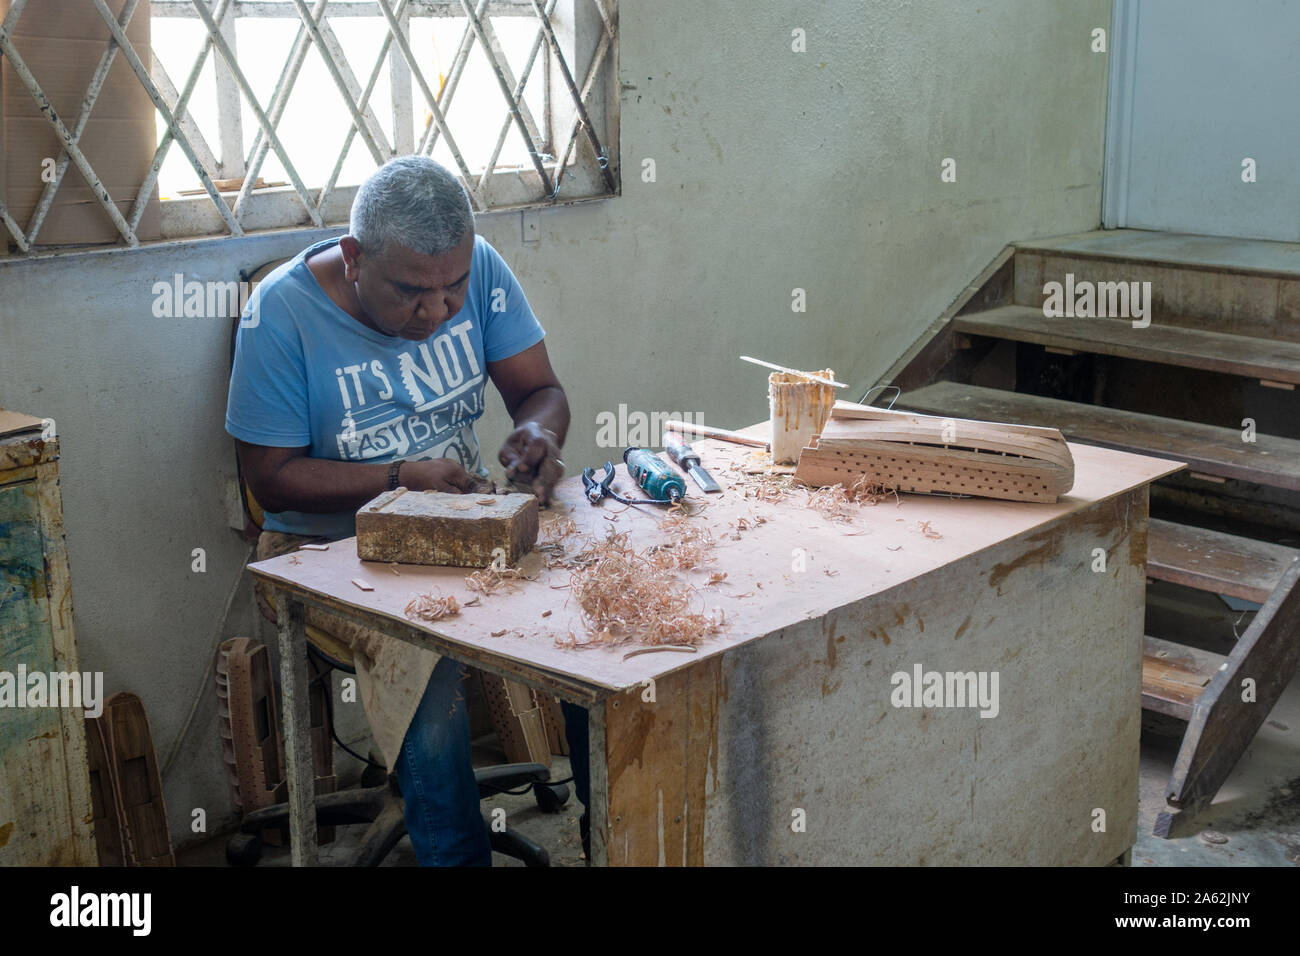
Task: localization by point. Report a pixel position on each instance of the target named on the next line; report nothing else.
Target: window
(271, 112)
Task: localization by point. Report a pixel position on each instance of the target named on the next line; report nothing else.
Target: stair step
(1215, 561)
(1174, 676)
(1214, 253)
(1235, 286)
(1167, 345)
(1207, 449)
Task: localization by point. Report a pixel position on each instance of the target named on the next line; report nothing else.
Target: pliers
(598, 489)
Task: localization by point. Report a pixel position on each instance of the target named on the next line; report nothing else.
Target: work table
(788, 704)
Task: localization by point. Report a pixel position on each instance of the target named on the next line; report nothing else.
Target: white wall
(775, 170)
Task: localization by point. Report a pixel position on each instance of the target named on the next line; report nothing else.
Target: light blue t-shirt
(308, 374)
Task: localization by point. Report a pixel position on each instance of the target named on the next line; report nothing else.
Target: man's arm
(285, 479)
(539, 408)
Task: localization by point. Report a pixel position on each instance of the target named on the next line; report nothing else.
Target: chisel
(685, 458)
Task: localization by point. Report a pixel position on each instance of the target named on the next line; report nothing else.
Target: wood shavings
(717, 577)
(490, 580)
(688, 547)
(687, 649)
(829, 572)
(546, 614)
(475, 601)
(500, 632)
(769, 490)
(430, 607)
(867, 492)
(625, 595)
(293, 559)
(837, 503)
(924, 528)
(895, 548)
(363, 585)
(832, 502)
(556, 530)
(393, 568)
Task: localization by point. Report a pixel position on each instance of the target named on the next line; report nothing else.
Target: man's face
(407, 294)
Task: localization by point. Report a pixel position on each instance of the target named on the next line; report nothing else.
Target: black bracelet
(394, 470)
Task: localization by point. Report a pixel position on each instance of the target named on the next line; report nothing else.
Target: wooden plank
(912, 468)
(1216, 561)
(662, 741)
(294, 680)
(64, 636)
(851, 422)
(1174, 676)
(1228, 713)
(1216, 451)
(1163, 344)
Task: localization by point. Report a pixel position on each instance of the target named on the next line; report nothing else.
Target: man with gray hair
(365, 370)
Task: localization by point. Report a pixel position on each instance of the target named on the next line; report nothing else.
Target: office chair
(379, 801)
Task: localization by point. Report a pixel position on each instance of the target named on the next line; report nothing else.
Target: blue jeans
(577, 736)
(436, 775)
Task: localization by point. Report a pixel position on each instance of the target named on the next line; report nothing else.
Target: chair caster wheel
(551, 798)
(244, 849)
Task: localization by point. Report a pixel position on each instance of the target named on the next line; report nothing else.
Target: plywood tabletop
(883, 546)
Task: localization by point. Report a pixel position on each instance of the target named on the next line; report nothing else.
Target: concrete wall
(775, 170)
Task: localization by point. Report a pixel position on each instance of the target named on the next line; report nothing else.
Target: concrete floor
(1256, 814)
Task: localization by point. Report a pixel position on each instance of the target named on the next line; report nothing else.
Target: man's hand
(531, 456)
(439, 474)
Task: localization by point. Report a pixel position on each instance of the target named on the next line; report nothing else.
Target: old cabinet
(45, 805)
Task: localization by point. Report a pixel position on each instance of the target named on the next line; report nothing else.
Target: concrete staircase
(1204, 372)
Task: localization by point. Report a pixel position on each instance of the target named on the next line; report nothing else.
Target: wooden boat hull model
(925, 453)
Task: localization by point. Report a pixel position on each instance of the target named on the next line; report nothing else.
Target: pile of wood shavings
(832, 502)
(836, 503)
(770, 490)
(867, 492)
(555, 531)
(688, 547)
(489, 580)
(626, 595)
(427, 607)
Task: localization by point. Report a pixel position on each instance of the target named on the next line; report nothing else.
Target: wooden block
(434, 527)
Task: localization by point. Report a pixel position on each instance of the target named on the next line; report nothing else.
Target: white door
(1204, 97)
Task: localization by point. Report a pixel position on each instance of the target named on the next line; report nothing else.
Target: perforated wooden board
(926, 454)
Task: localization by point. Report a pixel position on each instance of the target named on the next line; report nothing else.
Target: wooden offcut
(434, 527)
